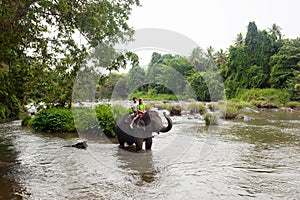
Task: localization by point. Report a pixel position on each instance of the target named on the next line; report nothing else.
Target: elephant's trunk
(170, 124)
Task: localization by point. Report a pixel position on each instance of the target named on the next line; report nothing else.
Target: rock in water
(79, 145)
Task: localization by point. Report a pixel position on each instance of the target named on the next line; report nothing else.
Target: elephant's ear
(147, 118)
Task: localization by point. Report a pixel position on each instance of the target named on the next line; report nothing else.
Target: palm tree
(239, 39)
(221, 57)
(210, 63)
(275, 31)
(196, 58)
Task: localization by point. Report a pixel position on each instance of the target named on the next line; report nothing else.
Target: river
(240, 159)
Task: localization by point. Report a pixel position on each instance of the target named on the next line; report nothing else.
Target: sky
(216, 23)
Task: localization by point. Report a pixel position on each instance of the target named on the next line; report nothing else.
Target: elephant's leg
(121, 142)
(148, 143)
(139, 144)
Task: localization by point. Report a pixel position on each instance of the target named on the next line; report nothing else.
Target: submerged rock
(79, 145)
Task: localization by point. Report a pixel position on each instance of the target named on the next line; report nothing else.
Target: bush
(230, 112)
(106, 119)
(213, 106)
(85, 120)
(26, 120)
(153, 96)
(293, 104)
(265, 103)
(54, 120)
(265, 97)
(211, 119)
(119, 110)
(175, 110)
(230, 109)
(196, 107)
(162, 106)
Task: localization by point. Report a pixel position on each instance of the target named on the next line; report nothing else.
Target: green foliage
(249, 63)
(136, 78)
(265, 103)
(113, 83)
(98, 120)
(265, 97)
(162, 106)
(211, 119)
(54, 120)
(213, 106)
(119, 110)
(175, 110)
(26, 120)
(106, 119)
(285, 64)
(196, 107)
(86, 121)
(182, 65)
(107, 116)
(294, 87)
(46, 30)
(9, 105)
(230, 112)
(154, 96)
(208, 86)
(293, 104)
(230, 109)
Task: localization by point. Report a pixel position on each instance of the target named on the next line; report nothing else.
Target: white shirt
(134, 107)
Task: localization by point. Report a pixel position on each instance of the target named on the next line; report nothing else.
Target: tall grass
(265, 98)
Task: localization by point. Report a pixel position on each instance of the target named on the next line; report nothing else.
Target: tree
(294, 87)
(182, 65)
(239, 39)
(249, 64)
(251, 40)
(220, 58)
(207, 86)
(38, 35)
(285, 64)
(114, 86)
(275, 31)
(202, 61)
(136, 78)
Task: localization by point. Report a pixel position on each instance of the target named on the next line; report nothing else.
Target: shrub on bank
(213, 106)
(175, 110)
(265, 98)
(107, 116)
(162, 106)
(85, 120)
(211, 119)
(54, 120)
(265, 103)
(293, 104)
(25, 121)
(106, 119)
(196, 107)
(230, 109)
(230, 112)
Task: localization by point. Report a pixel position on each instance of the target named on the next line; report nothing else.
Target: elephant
(151, 123)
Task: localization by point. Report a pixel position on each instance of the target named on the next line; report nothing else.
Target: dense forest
(40, 58)
(262, 59)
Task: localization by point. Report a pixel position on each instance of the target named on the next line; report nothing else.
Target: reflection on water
(140, 166)
(10, 188)
(257, 159)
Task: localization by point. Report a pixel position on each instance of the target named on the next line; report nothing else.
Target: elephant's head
(153, 122)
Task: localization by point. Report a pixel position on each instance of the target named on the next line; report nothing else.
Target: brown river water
(241, 159)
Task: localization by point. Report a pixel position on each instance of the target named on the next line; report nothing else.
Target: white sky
(216, 23)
